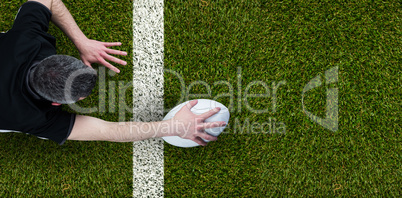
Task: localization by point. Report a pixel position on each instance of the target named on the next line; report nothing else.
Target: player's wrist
(80, 41)
(167, 128)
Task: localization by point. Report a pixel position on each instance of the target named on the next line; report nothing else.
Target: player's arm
(184, 124)
(91, 51)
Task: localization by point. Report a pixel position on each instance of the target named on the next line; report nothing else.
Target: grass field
(237, 48)
(293, 41)
(30, 167)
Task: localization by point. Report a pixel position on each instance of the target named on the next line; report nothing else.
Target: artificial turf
(30, 167)
(265, 42)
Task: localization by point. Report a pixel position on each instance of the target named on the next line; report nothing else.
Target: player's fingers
(114, 59)
(116, 52)
(108, 65)
(191, 104)
(111, 44)
(87, 63)
(199, 141)
(210, 113)
(209, 125)
(206, 136)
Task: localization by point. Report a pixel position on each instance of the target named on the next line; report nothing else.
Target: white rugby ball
(201, 107)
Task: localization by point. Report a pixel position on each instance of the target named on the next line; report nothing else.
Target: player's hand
(191, 126)
(92, 51)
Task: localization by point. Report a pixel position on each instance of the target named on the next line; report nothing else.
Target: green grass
(270, 41)
(291, 41)
(31, 167)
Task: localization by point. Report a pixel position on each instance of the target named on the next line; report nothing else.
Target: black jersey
(24, 44)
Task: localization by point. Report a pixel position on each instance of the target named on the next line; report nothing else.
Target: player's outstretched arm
(184, 124)
(91, 51)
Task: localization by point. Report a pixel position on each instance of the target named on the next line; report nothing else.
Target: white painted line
(148, 81)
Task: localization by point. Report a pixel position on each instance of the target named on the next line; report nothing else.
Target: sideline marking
(148, 81)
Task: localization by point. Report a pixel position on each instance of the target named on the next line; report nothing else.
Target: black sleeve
(33, 15)
(57, 128)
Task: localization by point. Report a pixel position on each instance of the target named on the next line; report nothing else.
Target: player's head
(62, 79)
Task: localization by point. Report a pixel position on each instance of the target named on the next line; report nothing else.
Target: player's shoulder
(45, 3)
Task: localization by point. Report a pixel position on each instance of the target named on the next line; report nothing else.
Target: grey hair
(62, 79)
